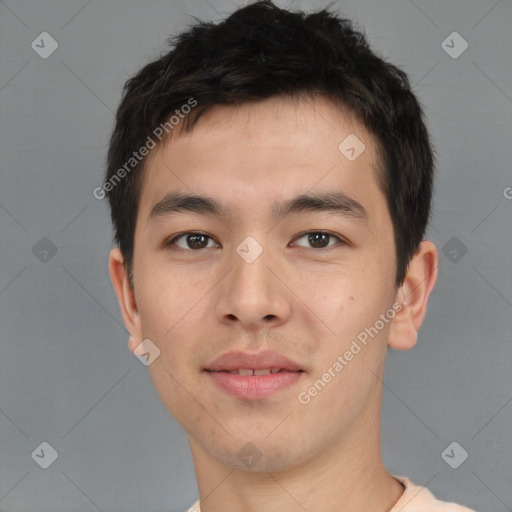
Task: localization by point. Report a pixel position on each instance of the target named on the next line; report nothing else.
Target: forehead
(248, 155)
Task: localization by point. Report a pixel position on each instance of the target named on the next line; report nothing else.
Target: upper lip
(243, 360)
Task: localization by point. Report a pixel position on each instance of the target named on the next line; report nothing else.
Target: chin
(251, 457)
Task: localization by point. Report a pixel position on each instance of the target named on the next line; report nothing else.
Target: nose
(253, 295)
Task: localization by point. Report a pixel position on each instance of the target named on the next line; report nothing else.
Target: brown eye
(320, 239)
(191, 241)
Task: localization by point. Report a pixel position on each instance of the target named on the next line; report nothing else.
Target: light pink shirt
(419, 499)
(414, 499)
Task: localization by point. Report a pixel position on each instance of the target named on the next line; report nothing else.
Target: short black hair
(263, 51)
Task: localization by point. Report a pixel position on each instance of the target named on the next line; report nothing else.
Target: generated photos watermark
(305, 397)
(143, 151)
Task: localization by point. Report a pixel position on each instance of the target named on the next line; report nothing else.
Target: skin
(304, 302)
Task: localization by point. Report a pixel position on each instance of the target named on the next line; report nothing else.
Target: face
(306, 282)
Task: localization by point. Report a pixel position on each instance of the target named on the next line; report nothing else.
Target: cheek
(167, 297)
(172, 310)
(337, 297)
(326, 291)
(352, 309)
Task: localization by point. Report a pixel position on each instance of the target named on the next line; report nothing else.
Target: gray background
(67, 376)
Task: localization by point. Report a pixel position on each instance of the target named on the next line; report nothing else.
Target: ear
(126, 297)
(413, 295)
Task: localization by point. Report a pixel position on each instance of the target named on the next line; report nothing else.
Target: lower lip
(254, 387)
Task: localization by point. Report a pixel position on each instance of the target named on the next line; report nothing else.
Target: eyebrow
(336, 202)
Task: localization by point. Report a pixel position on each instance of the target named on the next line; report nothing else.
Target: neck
(346, 476)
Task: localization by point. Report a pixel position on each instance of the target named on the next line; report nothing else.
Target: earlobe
(413, 295)
(126, 297)
(132, 344)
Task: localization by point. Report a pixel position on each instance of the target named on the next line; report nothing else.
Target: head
(251, 113)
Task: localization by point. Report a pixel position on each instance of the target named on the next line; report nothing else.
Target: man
(270, 182)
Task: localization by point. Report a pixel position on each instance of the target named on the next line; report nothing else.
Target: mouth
(252, 371)
(254, 384)
(253, 376)
(256, 363)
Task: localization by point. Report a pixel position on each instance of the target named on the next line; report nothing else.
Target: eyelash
(171, 242)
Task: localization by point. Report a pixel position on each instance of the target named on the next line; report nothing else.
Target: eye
(192, 241)
(320, 239)
(195, 241)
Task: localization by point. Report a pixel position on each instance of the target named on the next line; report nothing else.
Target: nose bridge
(252, 294)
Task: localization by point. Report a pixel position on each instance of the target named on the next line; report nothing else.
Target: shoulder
(419, 499)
